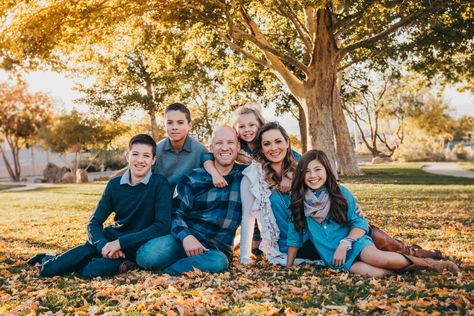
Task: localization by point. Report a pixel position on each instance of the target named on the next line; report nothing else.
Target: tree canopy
(305, 44)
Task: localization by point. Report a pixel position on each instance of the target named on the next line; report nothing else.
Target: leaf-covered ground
(433, 211)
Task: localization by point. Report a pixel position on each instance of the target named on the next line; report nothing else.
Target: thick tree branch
(275, 64)
(247, 54)
(274, 51)
(273, 56)
(310, 22)
(300, 28)
(402, 22)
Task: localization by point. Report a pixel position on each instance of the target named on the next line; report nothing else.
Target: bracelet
(348, 242)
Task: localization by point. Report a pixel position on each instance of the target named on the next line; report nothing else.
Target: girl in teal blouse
(327, 212)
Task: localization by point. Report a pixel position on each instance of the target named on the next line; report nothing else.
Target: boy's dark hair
(143, 139)
(179, 107)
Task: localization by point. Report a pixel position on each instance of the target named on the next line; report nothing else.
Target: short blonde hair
(249, 108)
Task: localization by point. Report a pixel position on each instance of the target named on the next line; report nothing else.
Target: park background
(387, 81)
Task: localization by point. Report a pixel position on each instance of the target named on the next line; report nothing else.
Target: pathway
(451, 169)
(25, 186)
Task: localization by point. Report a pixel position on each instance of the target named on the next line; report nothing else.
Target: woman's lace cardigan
(255, 195)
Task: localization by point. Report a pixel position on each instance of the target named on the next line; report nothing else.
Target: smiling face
(225, 146)
(140, 160)
(247, 127)
(177, 126)
(315, 176)
(274, 146)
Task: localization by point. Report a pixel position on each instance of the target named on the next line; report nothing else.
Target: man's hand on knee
(112, 250)
(192, 246)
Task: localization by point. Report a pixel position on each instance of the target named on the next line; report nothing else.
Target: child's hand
(111, 249)
(340, 255)
(219, 181)
(285, 185)
(118, 254)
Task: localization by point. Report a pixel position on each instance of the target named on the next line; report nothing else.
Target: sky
(61, 88)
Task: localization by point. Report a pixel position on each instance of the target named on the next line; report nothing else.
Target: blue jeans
(167, 254)
(85, 259)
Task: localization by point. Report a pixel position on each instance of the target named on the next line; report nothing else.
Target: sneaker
(127, 265)
(38, 258)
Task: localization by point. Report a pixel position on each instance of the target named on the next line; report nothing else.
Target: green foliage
(75, 132)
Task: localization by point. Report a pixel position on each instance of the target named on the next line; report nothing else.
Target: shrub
(421, 147)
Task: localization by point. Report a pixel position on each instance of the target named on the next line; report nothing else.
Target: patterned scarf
(317, 207)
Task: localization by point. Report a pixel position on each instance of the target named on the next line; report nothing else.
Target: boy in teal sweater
(141, 202)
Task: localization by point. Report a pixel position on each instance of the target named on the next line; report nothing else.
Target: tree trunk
(317, 98)
(76, 165)
(16, 160)
(7, 165)
(151, 109)
(153, 124)
(303, 131)
(347, 162)
(33, 161)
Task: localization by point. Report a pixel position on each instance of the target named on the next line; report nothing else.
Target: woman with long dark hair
(326, 211)
(263, 199)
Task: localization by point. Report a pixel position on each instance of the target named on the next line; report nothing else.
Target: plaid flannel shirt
(210, 214)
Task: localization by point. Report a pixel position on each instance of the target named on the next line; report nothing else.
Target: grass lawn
(433, 211)
(9, 186)
(469, 166)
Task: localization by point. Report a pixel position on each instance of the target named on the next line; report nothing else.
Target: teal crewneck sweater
(142, 212)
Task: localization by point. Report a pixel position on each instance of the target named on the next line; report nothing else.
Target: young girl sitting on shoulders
(247, 120)
(327, 212)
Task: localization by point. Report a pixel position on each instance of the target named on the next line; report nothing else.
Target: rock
(81, 176)
(68, 177)
(53, 173)
(380, 160)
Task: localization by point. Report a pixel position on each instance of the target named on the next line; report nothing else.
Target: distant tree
(464, 128)
(433, 117)
(78, 133)
(22, 115)
(377, 104)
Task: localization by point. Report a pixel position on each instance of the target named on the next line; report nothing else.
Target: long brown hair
(289, 162)
(339, 206)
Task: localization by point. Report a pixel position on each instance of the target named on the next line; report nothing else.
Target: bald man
(204, 217)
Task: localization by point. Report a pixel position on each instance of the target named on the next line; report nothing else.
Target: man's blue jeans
(84, 259)
(167, 254)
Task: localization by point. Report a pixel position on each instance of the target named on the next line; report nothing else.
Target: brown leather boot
(429, 264)
(387, 243)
